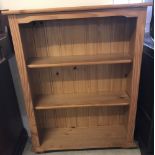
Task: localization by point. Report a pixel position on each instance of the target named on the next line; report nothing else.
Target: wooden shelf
(78, 138)
(83, 100)
(56, 61)
(109, 42)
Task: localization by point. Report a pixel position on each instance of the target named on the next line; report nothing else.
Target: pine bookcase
(79, 69)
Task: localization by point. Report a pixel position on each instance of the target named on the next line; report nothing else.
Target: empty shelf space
(78, 138)
(82, 100)
(56, 61)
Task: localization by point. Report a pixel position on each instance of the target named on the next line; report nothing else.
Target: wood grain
(23, 19)
(24, 79)
(82, 117)
(81, 37)
(78, 60)
(79, 79)
(135, 74)
(83, 100)
(66, 66)
(75, 138)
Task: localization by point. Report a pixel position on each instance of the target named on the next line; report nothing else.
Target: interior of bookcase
(79, 72)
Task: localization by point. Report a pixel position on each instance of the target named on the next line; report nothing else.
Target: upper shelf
(56, 61)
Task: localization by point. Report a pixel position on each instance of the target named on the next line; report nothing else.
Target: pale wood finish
(80, 138)
(83, 100)
(80, 75)
(24, 79)
(81, 117)
(135, 74)
(78, 80)
(82, 14)
(78, 37)
(78, 60)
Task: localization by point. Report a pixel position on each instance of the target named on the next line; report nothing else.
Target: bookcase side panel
(24, 78)
(133, 79)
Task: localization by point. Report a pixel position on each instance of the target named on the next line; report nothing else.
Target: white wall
(148, 19)
(33, 4)
(19, 92)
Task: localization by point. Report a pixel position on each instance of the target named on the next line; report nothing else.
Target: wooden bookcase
(79, 69)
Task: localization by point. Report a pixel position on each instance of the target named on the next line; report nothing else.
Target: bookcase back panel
(82, 117)
(77, 37)
(79, 79)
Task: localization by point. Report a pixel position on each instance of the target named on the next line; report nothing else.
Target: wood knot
(74, 67)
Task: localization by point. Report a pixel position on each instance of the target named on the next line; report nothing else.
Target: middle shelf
(56, 61)
(81, 100)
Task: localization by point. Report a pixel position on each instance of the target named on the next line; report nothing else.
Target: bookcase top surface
(109, 4)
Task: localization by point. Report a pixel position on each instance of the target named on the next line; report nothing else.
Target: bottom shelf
(83, 138)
